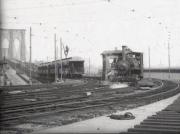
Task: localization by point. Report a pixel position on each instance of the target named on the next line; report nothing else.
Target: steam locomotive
(124, 65)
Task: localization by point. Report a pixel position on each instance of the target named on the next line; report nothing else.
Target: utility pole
(89, 66)
(169, 59)
(55, 65)
(161, 70)
(61, 57)
(149, 62)
(47, 70)
(30, 40)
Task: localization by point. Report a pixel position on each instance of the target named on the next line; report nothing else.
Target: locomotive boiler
(122, 65)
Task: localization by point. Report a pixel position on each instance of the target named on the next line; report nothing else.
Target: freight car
(72, 67)
(122, 65)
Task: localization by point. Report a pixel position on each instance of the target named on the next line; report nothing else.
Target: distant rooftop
(76, 58)
(117, 51)
(111, 52)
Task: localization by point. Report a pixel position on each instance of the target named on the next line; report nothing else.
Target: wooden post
(30, 62)
(149, 62)
(61, 57)
(169, 59)
(55, 65)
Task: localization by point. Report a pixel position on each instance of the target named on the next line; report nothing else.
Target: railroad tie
(166, 121)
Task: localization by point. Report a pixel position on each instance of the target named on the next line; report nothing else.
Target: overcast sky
(89, 27)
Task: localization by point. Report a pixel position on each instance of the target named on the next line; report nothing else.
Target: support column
(10, 50)
(104, 67)
(22, 48)
(1, 40)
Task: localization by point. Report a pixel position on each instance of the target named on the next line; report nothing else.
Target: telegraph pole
(61, 57)
(55, 65)
(161, 69)
(47, 70)
(169, 59)
(89, 66)
(149, 62)
(30, 40)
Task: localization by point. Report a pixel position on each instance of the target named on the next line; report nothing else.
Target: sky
(89, 27)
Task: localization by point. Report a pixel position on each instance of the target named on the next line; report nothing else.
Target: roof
(111, 52)
(115, 52)
(76, 58)
(79, 59)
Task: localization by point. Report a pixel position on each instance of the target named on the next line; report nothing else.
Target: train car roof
(111, 52)
(107, 52)
(70, 59)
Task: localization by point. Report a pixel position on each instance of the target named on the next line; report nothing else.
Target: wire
(60, 5)
(74, 21)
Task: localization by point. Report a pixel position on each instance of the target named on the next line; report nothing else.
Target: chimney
(124, 52)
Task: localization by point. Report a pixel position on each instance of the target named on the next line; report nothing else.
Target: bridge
(13, 44)
(13, 48)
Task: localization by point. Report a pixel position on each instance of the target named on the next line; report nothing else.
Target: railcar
(72, 67)
(122, 65)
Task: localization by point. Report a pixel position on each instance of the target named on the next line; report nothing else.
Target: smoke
(118, 85)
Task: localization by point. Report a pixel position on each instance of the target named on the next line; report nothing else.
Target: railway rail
(37, 86)
(56, 96)
(42, 90)
(20, 113)
(52, 97)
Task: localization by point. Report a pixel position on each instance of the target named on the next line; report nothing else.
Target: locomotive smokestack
(124, 52)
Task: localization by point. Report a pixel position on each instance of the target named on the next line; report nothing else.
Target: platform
(166, 121)
(104, 124)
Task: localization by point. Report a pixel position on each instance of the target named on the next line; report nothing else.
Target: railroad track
(167, 90)
(53, 96)
(58, 100)
(27, 87)
(43, 92)
(44, 89)
(56, 97)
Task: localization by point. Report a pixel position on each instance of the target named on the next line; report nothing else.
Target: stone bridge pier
(12, 44)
